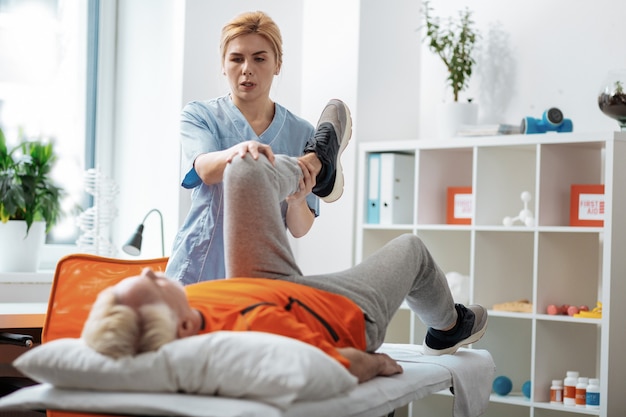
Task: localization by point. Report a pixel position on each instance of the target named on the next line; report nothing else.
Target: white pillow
(266, 367)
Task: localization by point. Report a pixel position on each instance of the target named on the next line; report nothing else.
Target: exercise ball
(526, 389)
(502, 385)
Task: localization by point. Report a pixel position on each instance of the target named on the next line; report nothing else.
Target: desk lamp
(133, 245)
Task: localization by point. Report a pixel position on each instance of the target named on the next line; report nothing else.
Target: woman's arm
(299, 216)
(210, 166)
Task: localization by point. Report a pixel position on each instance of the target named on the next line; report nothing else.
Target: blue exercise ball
(502, 385)
(526, 389)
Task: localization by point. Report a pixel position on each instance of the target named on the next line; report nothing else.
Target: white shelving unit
(550, 262)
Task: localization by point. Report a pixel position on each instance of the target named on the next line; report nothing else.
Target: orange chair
(78, 279)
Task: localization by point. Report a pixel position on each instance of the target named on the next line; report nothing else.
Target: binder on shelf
(396, 188)
(373, 193)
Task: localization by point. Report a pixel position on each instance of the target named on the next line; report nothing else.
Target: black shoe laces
(322, 134)
(321, 139)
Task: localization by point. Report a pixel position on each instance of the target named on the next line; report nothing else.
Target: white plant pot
(20, 252)
(455, 114)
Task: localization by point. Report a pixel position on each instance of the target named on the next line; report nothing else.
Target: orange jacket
(317, 317)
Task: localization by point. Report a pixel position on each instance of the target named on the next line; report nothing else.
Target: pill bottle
(593, 394)
(556, 392)
(569, 388)
(581, 392)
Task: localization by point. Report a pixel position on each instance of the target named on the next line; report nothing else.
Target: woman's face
(151, 288)
(250, 65)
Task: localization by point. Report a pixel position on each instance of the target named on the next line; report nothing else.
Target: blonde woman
(245, 121)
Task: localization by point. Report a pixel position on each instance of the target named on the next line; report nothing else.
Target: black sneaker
(470, 327)
(332, 134)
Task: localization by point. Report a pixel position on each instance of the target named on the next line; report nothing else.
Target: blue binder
(373, 187)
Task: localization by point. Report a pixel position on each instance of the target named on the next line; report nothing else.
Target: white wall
(330, 57)
(368, 53)
(533, 55)
(388, 70)
(145, 118)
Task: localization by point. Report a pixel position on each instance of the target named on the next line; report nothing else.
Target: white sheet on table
(422, 376)
(472, 384)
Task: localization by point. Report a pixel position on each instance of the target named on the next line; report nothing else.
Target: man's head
(138, 314)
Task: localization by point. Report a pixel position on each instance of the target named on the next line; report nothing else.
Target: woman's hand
(210, 166)
(299, 216)
(251, 147)
(307, 182)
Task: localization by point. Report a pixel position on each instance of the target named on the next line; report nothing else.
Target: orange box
(587, 205)
(460, 205)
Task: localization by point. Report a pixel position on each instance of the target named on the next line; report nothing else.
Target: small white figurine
(525, 215)
(459, 287)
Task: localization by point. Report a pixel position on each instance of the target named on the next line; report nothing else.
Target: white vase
(20, 252)
(455, 114)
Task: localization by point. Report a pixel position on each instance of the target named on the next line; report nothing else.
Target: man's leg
(404, 269)
(255, 241)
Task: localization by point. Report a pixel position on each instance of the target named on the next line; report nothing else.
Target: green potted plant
(454, 42)
(30, 201)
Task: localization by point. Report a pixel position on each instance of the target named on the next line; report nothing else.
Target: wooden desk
(22, 315)
(26, 318)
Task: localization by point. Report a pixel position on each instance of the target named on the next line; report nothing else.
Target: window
(48, 51)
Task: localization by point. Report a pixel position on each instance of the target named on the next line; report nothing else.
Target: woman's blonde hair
(253, 22)
(117, 330)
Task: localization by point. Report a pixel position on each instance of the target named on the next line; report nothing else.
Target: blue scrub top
(215, 125)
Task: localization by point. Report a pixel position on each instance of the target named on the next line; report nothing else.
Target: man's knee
(411, 243)
(411, 239)
(247, 168)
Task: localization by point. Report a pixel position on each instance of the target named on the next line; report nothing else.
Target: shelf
(406, 227)
(515, 398)
(547, 262)
(510, 314)
(490, 228)
(569, 319)
(574, 410)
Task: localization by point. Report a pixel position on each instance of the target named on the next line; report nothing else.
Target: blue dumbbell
(552, 120)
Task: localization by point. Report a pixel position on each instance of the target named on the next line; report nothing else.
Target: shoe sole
(347, 134)
(473, 338)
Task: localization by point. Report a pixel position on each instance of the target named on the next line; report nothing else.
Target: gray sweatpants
(256, 245)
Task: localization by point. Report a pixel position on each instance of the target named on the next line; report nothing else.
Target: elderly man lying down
(345, 314)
